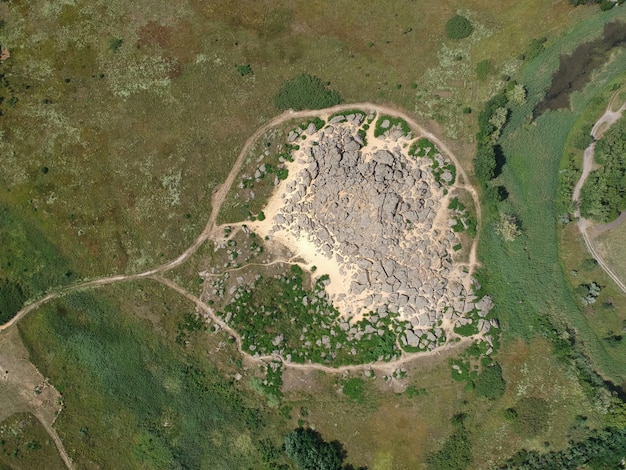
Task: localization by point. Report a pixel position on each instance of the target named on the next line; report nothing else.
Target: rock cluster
(383, 218)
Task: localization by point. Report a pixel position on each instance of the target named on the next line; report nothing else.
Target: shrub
(305, 92)
(490, 383)
(484, 68)
(309, 451)
(115, 44)
(244, 69)
(510, 414)
(589, 264)
(458, 27)
(508, 227)
(532, 416)
(535, 47)
(455, 454)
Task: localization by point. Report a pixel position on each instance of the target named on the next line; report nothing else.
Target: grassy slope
(133, 398)
(24, 443)
(135, 139)
(134, 150)
(526, 275)
(612, 245)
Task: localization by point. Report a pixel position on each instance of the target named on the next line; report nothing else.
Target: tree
(458, 27)
(310, 452)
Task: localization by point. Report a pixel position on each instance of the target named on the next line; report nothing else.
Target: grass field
(391, 430)
(139, 120)
(24, 443)
(115, 132)
(526, 276)
(133, 397)
(612, 248)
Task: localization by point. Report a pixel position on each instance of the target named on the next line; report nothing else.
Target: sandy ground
(299, 244)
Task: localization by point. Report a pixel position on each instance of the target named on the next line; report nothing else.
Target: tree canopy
(458, 27)
(310, 452)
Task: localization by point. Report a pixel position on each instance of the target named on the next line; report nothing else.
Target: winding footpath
(212, 230)
(584, 225)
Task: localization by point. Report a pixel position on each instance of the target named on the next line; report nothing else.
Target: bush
(589, 264)
(535, 47)
(305, 92)
(510, 414)
(532, 416)
(455, 454)
(309, 451)
(458, 27)
(484, 68)
(115, 44)
(490, 383)
(353, 388)
(244, 69)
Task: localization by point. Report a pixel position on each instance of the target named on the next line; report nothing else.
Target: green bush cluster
(491, 120)
(244, 69)
(305, 92)
(484, 68)
(603, 197)
(458, 27)
(603, 449)
(490, 383)
(456, 452)
(393, 121)
(310, 452)
(276, 306)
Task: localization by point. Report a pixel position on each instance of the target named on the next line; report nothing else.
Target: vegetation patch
(603, 196)
(385, 123)
(489, 383)
(174, 410)
(305, 92)
(604, 448)
(458, 27)
(278, 314)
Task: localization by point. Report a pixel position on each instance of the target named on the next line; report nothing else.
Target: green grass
(24, 443)
(282, 305)
(613, 249)
(393, 122)
(123, 381)
(526, 276)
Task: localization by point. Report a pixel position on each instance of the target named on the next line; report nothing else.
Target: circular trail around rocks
(212, 231)
(366, 201)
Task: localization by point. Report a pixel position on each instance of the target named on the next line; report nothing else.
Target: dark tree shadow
(500, 161)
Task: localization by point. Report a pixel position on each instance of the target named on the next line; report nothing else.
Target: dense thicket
(305, 92)
(491, 120)
(310, 452)
(603, 196)
(490, 383)
(458, 27)
(603, 449)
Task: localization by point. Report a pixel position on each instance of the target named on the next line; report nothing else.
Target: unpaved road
(586, 226)
(212, 230)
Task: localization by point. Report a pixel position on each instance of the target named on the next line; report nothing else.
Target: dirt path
(212, 230)
(585, 226)
(57, 442)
